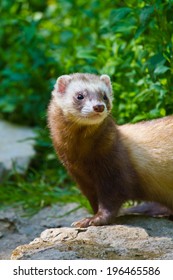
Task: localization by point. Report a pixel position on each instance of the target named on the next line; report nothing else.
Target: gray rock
(16, 147)
(48, 235)
(132, 237)
(16, 228)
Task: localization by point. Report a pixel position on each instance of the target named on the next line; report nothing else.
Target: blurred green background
(40, 40)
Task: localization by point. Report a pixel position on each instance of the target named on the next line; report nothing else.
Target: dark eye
(105, 97)
(80, 96)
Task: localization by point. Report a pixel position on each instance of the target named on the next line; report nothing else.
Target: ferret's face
(84, 98)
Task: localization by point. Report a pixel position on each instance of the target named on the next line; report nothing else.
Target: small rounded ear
(105, 78)
(62, 83)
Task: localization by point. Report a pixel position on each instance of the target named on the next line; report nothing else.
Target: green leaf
(139, 118)
(139, 31)
(9, 108)
(85, 54)
(123, 27)
(66, 36)
(161, 69)
(163, 112)
(146, 14)
(155, 60)
(154, 113)
(118, 14)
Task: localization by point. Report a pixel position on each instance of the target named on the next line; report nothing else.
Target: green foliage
(36, 192)
(130, 40)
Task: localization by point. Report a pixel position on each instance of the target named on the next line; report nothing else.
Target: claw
(82, 223)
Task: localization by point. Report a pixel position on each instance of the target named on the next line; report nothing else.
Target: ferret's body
(110, 163)
(150, 148)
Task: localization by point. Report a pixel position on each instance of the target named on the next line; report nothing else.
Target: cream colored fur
(150, 147)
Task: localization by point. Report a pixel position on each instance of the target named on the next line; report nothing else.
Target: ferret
(110, 163)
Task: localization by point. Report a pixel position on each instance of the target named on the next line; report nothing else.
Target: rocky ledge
(17, 228)
(132, 237)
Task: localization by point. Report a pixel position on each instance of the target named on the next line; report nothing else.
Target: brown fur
(112, 164)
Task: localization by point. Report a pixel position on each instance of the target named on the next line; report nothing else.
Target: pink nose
(99, 108)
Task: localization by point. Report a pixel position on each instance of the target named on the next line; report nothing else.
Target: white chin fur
(91, 120)
(83, 119)
(88, 121)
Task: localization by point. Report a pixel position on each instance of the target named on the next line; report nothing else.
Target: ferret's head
(84, 98)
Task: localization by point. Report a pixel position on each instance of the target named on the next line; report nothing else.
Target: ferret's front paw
(82, 223)
(97, 220)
